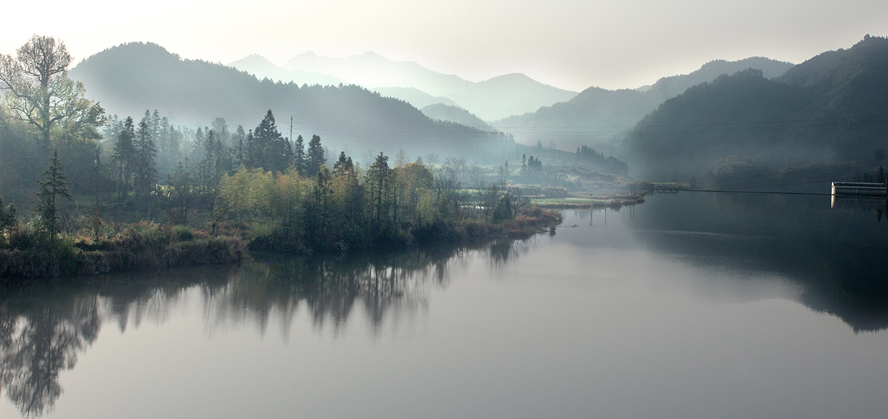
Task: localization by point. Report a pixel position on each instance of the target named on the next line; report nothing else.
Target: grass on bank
(28, 253)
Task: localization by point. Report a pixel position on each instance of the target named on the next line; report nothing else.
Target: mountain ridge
(130, 78)
(516, 93)
(828, 110)
(596, 116)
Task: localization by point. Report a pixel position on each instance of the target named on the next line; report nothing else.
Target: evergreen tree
(349, 216)
(52, 188)
(168, 140)
(503, 210)
(197, 147)
(271, 150)
(299, 155)
(378, 179)
(215, 162)
(320, 210)
(222, 134)
(181, 182)
(238, 139)
(125, 155)
(252, 154)
(343, 165)
(315, 157)
(145, 170)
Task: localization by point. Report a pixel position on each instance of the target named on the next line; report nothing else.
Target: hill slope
(457, 115)
(831, 109)
(131, 78)
(597, 115)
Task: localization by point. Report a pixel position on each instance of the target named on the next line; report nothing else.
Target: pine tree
(215, 162)
(378, 178)
(271, 151)
(52, 188)
(238, 140)
(315, 157)
(343, 166)
(125, 155)
(252, 154)
(321, 210)
(221, 129)
(180, 181)
(145, 170)
(299, 155)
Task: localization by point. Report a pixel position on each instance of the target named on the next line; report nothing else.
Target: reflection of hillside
(837, 254)
(43, 327)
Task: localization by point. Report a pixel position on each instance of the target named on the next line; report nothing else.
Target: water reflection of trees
(332, 288)
(43, 327)
(500, 252)
(39, 338)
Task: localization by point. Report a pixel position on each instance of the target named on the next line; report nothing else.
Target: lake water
(688, 306)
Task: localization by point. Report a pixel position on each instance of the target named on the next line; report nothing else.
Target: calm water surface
(688, 306)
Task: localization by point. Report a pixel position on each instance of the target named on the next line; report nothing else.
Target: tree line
(282, 194)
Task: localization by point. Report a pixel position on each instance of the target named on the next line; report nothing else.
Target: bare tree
(221, 206)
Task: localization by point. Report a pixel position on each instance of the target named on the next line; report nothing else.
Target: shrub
(476, 229)
(151, 235)
(183, 233)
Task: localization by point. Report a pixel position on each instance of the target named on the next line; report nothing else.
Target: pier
(863, 189)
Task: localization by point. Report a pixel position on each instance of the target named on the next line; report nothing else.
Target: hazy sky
(572, 44)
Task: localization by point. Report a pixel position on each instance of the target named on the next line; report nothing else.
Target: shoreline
(595, 201)
(147, 246)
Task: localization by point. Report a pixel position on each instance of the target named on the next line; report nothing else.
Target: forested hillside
(131, 78)
(598, 115)
(457, 115)
(830, 110)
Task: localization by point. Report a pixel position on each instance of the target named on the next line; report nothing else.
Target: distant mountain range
(492, 99)
(131, 78)
(262, 68)
(832, 108)
(457, 115)
(829, 110)
(531, 111)
(598, 116)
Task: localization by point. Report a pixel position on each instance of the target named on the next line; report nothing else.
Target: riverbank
(142, 246)
(149, 246)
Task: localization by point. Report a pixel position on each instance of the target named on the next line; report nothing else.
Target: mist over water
(690, 305)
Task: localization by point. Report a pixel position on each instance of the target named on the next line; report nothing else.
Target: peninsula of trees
(113, 193)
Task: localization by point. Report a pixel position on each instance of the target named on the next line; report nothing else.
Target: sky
(572, 44)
